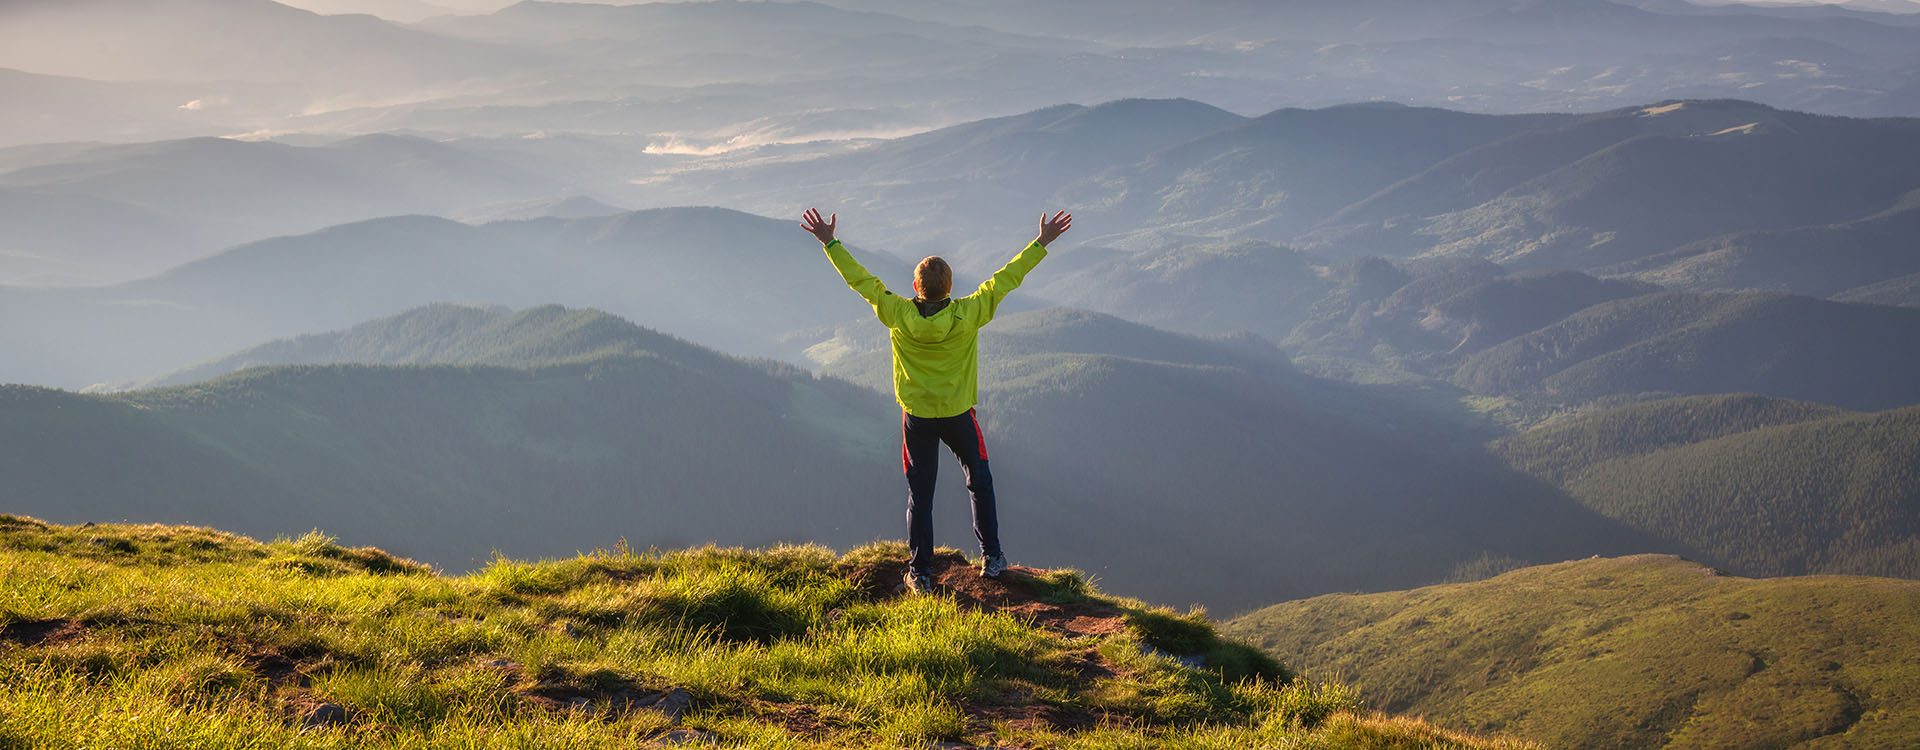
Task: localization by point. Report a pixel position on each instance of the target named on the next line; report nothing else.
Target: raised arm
(1010, 276)
(1050, 229)
(821, 230)
(864, 283)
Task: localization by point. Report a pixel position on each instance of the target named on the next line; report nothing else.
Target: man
(935, 378)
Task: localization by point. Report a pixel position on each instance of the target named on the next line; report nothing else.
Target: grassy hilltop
(165, 637)
(1648, 651)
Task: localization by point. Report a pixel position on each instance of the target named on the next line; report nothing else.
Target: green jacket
(936, 353)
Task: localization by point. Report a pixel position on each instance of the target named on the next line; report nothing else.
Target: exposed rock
(678, 737)
(672, 704)
(41, 632)
(1190, 662)
(325, 715)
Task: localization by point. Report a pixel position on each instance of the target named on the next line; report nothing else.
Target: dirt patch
(1021, 712)
(609, 700)
(42, 632)
(1016, 592)
(284, 666)
(798, 719)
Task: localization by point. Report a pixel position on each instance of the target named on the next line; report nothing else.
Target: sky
(414, 10)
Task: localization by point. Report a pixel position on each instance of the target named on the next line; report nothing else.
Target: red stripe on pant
(978, 434)
(906, 460)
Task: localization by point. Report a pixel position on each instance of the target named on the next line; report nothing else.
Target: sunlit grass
(144, 636)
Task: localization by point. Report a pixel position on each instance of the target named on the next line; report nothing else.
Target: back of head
(933, 279)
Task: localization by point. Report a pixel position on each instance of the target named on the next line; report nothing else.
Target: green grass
(1644, 652)
(165, 637)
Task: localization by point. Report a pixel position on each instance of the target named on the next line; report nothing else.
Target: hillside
(1617, 186)
(1645, 651)
(1757, 486)
(1674, 342)
(181, 636)
(113, 213)
(1828, 260)
(216, 41)
(707, 274)
(1277, 175)
(448, 463)
(459, 334)
(1563, 448)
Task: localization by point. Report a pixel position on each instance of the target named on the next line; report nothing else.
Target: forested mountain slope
(1758, 486)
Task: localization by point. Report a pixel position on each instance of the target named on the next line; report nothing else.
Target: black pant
(920, 439)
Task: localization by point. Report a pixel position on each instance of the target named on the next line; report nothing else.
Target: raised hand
(1050, 229)
(822, 230)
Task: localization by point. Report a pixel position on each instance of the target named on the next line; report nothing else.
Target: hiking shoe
(919, 583)
(992, 566)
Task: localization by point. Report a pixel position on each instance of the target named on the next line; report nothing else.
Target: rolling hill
(726, 279)
(1275, 176)
(114, 213)
(1646, 651)
(217, 41)
(1758, 486)
(1676, 342)
(459, 334)
(1829, 260)
(1613, 187)
(448, 463)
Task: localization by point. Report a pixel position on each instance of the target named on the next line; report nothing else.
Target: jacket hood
(927, 309)
(931, 325)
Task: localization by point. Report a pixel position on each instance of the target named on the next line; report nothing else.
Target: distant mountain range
(1643, 190)
(711, 72)
(108, 214)
(1645, 651)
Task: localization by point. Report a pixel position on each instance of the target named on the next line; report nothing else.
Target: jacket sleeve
(1006, 280)
(886, 305)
